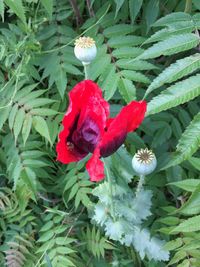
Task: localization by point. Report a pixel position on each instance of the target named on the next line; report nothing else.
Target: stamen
(84, 42)
(70, 146)
(145, 156)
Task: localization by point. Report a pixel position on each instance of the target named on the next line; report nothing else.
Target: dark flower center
(87, 137)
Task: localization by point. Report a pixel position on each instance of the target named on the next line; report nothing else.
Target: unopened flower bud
(144, 162)
(85, 50)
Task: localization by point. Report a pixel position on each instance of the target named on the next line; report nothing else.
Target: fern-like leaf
(170, 46)
(175, 71)
(175, 95)
(188, 143)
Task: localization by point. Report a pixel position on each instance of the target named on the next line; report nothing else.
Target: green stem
(140, 184)
(86, 70)
(110, 190)
(188, 6)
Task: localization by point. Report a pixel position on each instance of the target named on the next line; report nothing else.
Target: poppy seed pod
(144, 162)
(85, 50)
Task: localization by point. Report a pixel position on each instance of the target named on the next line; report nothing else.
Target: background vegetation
(145, 49)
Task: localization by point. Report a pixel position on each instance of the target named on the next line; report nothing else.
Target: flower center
(87, 137)
(145, 156)
(84, 42)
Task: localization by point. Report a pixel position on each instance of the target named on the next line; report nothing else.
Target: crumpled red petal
(85, 100)
(129, 118)
(95, 167)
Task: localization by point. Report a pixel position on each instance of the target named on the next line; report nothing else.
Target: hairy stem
(140, 184)
(188, 6)
(109, 179)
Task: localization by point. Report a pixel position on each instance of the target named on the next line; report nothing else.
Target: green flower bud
(144, 162)
(85, 50)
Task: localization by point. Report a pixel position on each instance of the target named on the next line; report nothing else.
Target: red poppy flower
(87, 127)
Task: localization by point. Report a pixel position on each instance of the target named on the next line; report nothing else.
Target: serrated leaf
(188, 143)
(19, 119)
(127, 52)
(26, 127)
(2, 9)
(151, 12)
(119, 4)
(29, 179)
(172, 29)
(127, 90)
(46, 236)
(189, 185)
(175, 71)
(110, 82)
(41, 127)
(172, 18)
(189, 225)
(4, 116)
(48, 5)
(12, 115)
(192, 206)
(175, 95)
(17, 7)
(134, 7)
(170, 46)
(135, 76)
(116, 30)
(195, 162)
(129, 40)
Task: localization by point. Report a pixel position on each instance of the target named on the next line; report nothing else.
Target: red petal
(83, 91)
(129, 118)
(85, 100)
(67, 153)
(95, 167)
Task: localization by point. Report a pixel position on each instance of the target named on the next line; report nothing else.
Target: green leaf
(26, 127)
(192, 206)
(135, 76)
(19, 119)
(41, 127)
(172, 29)
(29, 179)
(12, 115)
(127, 90)
(175, 95)
(172, 18)
(195, 163)
(4, 115)
(175, 71)
(188, 143)
(116, 30)
(170, 46)
(151, 12)
(127, 52)
(173, 244)
(48, 5)
(189, 185)
(46, 236)
(48, 261)
(2, 7)
(188, 226)
(17, 7)
(177, 257)
(110, 82)
(61, 80)
(129, 40)
(119, 4)
(134, 7)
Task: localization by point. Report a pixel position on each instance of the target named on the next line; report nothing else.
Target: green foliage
(145, 49)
